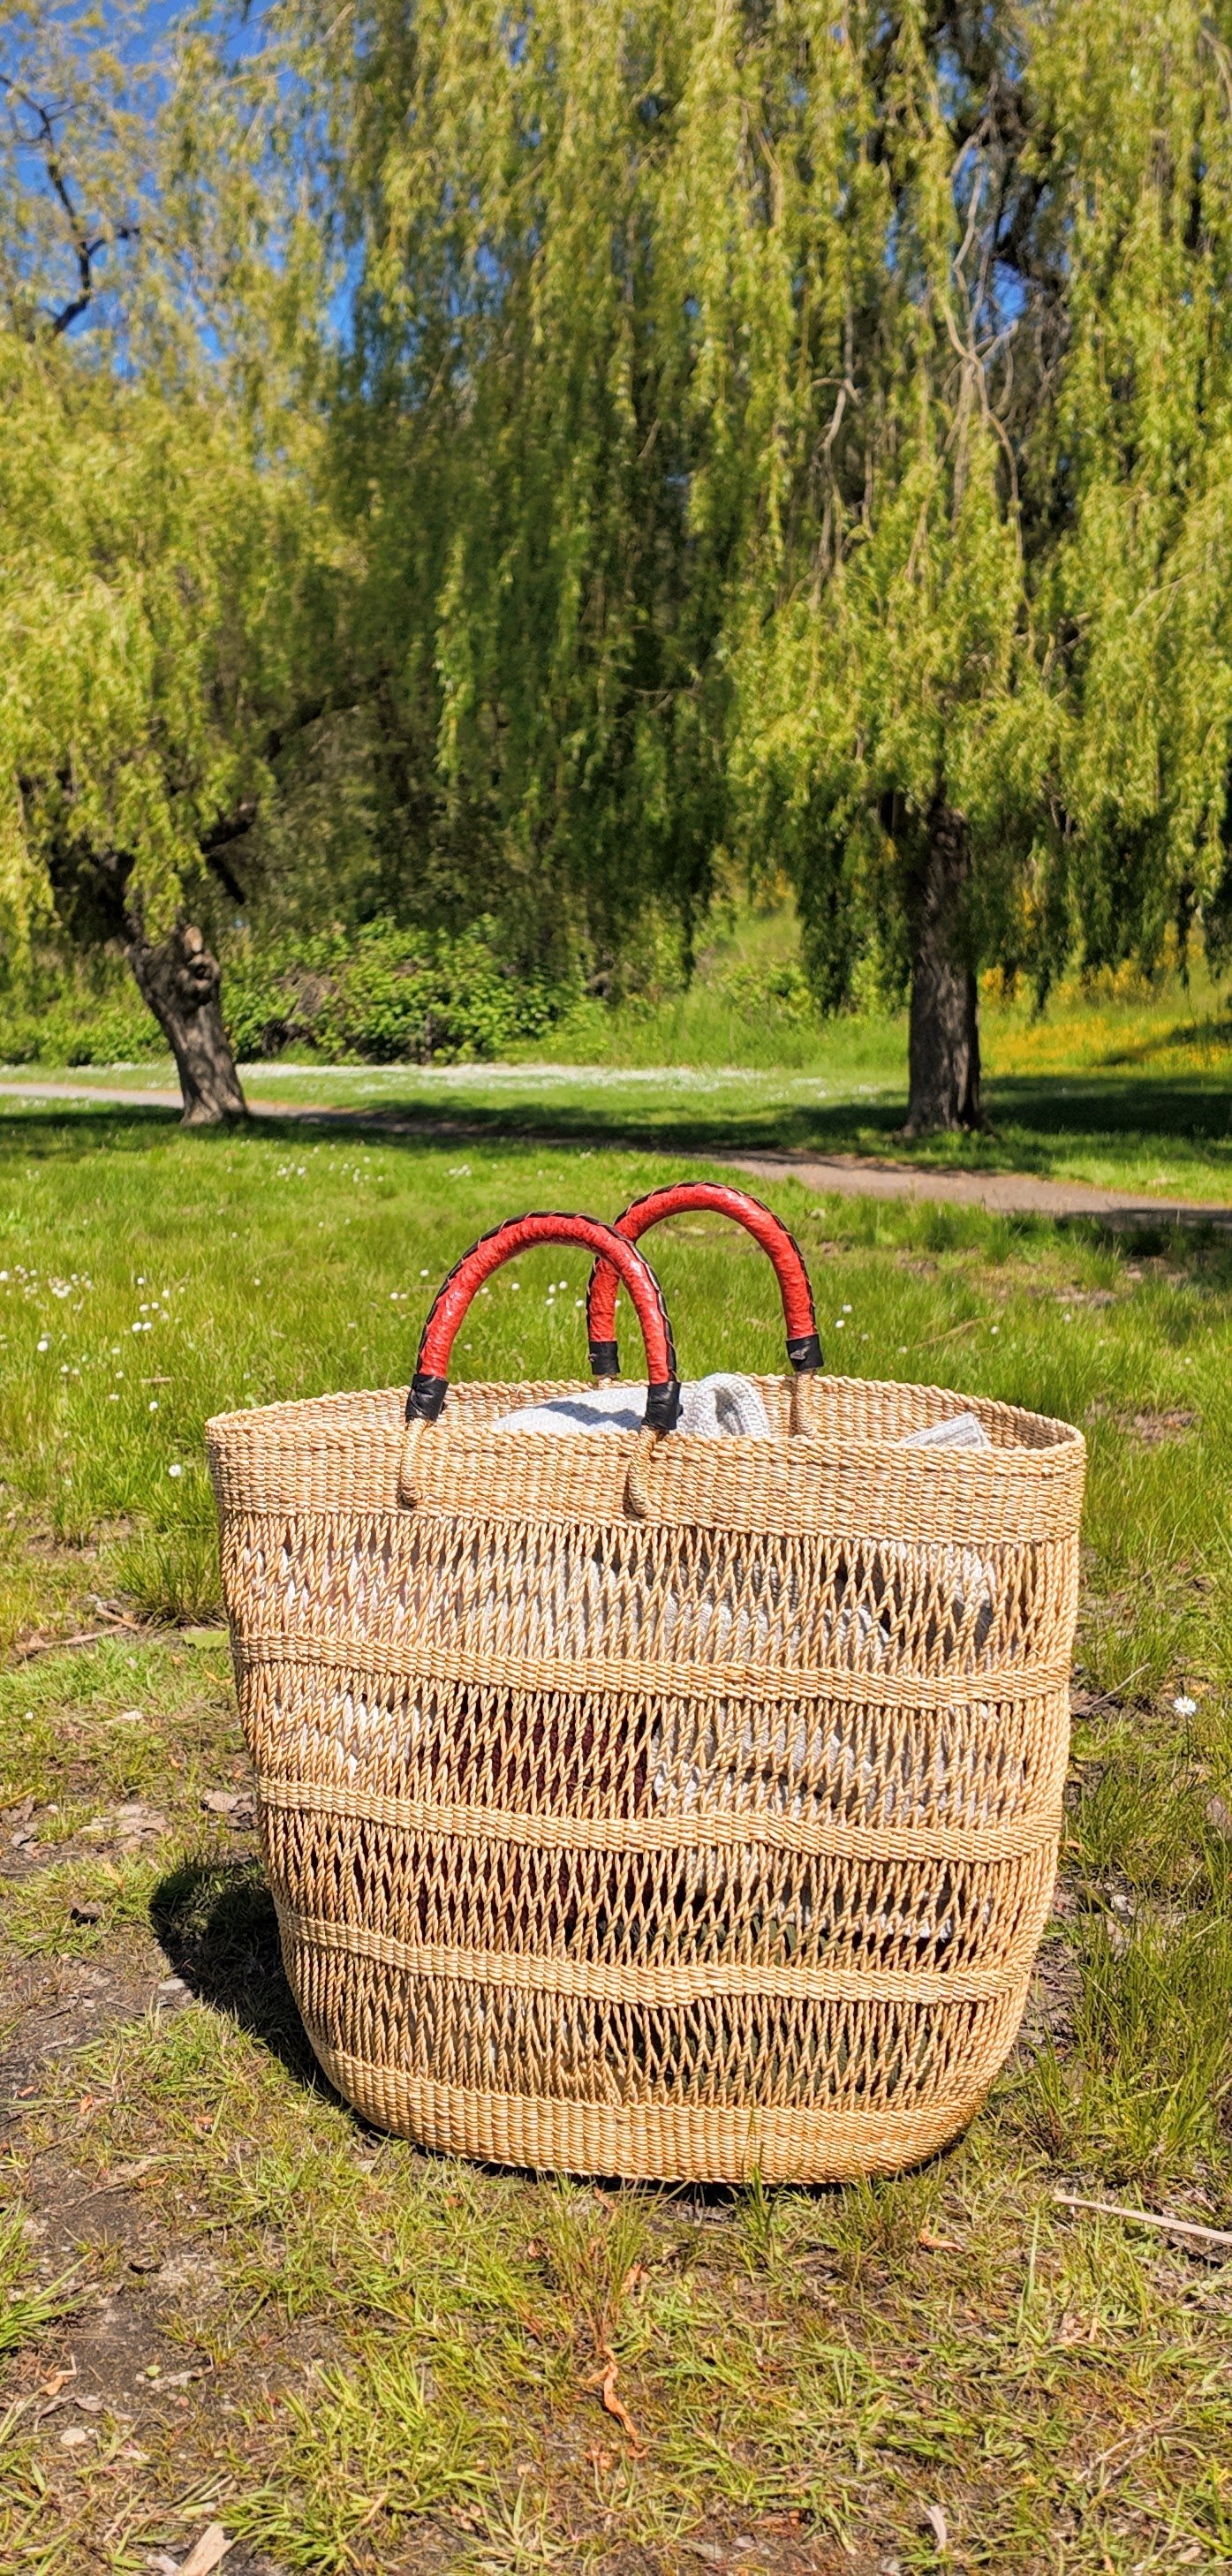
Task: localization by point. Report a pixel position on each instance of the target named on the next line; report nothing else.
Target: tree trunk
(179, 980)
(944, 1045)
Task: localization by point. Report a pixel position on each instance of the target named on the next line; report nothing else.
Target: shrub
(381, 995)
(78, 1027)
(378, 995)
(778, 992)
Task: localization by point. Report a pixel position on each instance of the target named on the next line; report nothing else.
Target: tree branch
(86, 250)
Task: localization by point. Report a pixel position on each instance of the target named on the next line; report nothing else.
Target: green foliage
(375, 995)
(78, 1029)
(773, 429)
(761, 435)
(161, 547)
(768, 992)
(144, 603)
(386, 996)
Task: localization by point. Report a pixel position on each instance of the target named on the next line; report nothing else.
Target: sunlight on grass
(390, 2359)
(1123, 1084)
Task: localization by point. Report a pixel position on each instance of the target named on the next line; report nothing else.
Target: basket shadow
(214, 1917)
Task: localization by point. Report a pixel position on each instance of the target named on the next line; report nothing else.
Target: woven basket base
(643, 2142)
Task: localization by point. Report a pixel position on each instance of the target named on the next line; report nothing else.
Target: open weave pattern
(716, 1839)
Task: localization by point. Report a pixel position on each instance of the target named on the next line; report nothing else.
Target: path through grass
(1132, 1093)
(229, 2300)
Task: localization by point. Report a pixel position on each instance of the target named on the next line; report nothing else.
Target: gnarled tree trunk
(944, 1044)
(179, 980)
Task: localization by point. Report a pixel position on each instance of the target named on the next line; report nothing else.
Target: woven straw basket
(647, 1804)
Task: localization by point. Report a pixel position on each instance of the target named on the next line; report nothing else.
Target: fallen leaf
(633, 2280)
(81, 1913)
(73, 2439)
(206, 2553)
(938, 2525)
(605, 2381)
(59, 2379)
(223, 1802)
(938, 2244)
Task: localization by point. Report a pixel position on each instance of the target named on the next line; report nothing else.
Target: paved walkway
(1006, 1193)
(865, 1176)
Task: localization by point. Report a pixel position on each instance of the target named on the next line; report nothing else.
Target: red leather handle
(803, 1346)
(431, 1380)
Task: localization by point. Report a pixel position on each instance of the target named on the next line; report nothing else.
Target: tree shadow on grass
(215, 1919)
(1030, 1114)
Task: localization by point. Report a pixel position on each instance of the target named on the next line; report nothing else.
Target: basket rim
(330, 1420)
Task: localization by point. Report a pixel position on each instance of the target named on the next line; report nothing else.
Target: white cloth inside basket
(959, 1431)
(711, 1408)
(719, 1407)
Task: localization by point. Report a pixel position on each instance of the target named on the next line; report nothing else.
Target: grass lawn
(221, 2298)
(1130, 1093)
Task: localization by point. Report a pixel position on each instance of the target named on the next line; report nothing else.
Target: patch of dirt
(1153, 1429)
(60, 2005)
(1054, 1997)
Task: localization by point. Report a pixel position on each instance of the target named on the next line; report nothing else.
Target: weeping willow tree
(982, 668)
(163, 562)
(1130, 468)
(801, 430)
(892, 734)
(522, 444)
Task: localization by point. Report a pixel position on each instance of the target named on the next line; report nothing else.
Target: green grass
(1123, 1087)
(393, 2360)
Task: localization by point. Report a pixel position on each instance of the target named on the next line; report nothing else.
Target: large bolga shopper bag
(644, 1803)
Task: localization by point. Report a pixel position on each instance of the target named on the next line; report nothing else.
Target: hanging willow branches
(705, 434)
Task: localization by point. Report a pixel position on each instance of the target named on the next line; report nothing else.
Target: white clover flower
(153, 1404)
(175, 1471)
(44, 1345)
